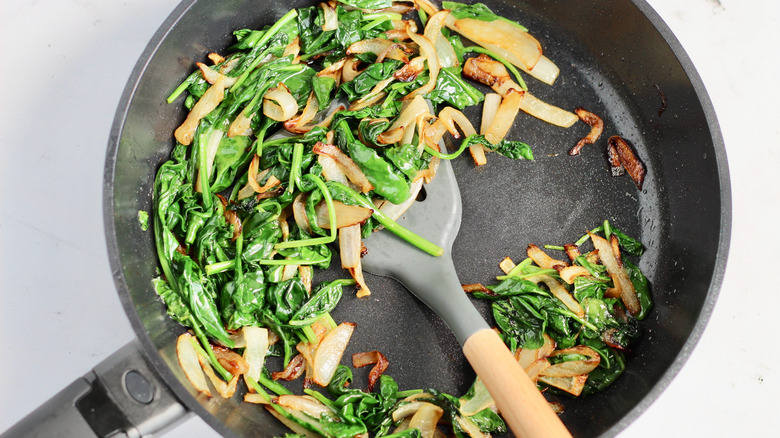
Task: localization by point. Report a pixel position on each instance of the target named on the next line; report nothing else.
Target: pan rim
(190, 402)
(164, 373)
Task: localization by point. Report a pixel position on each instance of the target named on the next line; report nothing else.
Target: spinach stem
(273, 385)
(321, 398)
(518, 268)
(585, 238)
(391, 225)
(205, 349)
(331, 217)
(258, 389)
(310, 335)
(529, 274)
(379, 18)
(463, 145)
(264, 39)
(203, 175)
(183, 86)
(295, 168)
(219, 267)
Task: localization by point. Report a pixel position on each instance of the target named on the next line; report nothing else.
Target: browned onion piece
(614, 161)
(293, 370)
(397, 34)
(412, 109)
(573, 385)
(392, 136)
(350, 69)
(329, 118)
(433, 30)
(542, 259)
(357, 274)
(206, 104)
(211, 76)
(398, 8)
(426, 5)
(505, 116)
(332, 172)
(574, 367)
(509, 41)
(410, 71)
(615, 243)
(303, 403)
(349, 167)
(609, 337)
(216, 58)
(241, 125)
(252, 175)
(350, 246)
(573, 251)
(561, 293)
(428, 52)
(373, 45)
(346, 215)
(297, 125)
(490, 72)
(426, 419)
(258, 399)
(544, 111)
(307, 351)
(190, 364)
(224, 389)
(408, 409)
(232, 218)
(279, 104)
(596, 128)
(506, 265)
(299, 212)
(331, 18)
(334, 71)
(293, 48)
(475, 287)
(306, 274)
(393, 52)
(433, 133)
(526, 357)
(375, 358)
(452, 117)
(629, 160)
(470, 427)
(255, 346)
(328, 354)
(230, 360)
(569, 273)
(370, 98)
(618, 272)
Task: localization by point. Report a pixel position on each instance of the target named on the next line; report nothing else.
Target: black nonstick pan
(617, 60)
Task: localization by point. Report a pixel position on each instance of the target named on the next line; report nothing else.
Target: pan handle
(120, 397)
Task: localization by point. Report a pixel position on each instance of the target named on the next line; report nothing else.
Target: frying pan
(617, 59)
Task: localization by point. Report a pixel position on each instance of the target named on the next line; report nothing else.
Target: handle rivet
(139, 387)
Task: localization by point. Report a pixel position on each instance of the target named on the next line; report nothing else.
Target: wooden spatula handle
(521, 404)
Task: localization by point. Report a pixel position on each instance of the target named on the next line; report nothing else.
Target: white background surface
(64, 66)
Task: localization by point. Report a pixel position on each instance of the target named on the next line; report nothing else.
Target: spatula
(434, 281)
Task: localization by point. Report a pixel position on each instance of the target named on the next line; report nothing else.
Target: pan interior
(614, 62)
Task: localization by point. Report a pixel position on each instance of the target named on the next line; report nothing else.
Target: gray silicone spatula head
(434, 281)
(431, 278)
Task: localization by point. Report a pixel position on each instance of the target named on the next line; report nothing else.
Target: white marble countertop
(65, 64)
